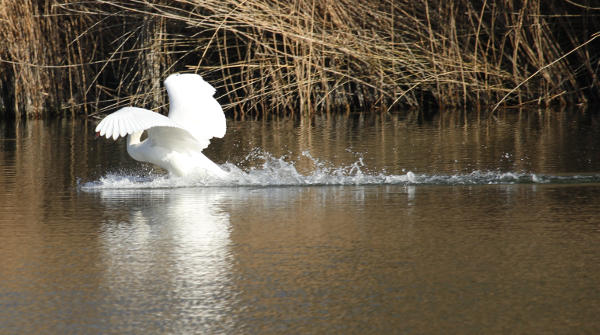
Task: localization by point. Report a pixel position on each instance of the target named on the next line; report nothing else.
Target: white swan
(174, 143)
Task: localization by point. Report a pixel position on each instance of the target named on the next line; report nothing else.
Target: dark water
(374, 225)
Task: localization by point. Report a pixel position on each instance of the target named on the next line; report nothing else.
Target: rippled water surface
(340, 225)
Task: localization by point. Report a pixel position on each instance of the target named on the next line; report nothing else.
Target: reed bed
(298, 57)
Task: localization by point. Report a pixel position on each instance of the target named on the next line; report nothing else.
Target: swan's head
(186, 84)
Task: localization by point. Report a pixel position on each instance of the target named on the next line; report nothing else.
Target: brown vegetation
(299, 56)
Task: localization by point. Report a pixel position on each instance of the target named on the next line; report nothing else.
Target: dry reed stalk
(21, 36)
(300, 56)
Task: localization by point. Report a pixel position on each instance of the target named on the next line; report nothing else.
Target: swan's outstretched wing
(174, 139)
(129, 120)
(194, 108)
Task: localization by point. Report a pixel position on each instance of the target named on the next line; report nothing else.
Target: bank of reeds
(299, 56)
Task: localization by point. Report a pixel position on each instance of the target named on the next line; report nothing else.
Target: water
(341, 225)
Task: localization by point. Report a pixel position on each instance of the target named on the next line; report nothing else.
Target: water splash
(267, 170)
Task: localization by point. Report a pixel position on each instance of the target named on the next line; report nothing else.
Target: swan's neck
(134, 138)
(133, 143)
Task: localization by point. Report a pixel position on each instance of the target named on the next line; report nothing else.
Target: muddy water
(341, 225)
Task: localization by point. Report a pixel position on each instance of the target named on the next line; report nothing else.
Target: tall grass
(299, 56)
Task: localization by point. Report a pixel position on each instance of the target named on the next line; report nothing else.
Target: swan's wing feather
(175, 139)
(129, 120)
(193, 106)
(124, 125)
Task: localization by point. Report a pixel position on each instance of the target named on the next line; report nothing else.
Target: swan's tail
(196, 166)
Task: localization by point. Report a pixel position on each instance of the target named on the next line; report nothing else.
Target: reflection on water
(174, 241)
(487, 253)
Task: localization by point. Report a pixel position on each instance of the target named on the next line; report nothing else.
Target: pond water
(338, 225)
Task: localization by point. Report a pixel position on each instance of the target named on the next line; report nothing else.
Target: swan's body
(174, 143)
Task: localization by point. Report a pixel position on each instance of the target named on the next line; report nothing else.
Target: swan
(174, 143)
